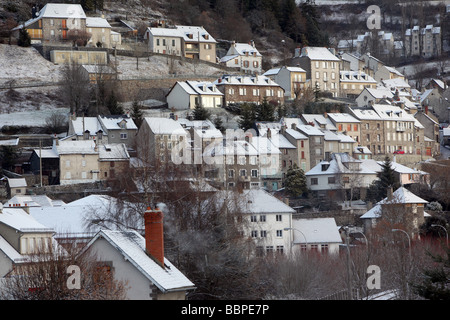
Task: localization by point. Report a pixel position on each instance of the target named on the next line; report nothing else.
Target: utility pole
(349, 274)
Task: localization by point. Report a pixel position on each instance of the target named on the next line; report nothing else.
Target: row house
(346, 123)
(103, 129)
(185, 95)
(184, 41)
(352, 83)
(425, 42)
(322, 67)
(270, 160)
(291, 79)
(244, 57)
(299, 156)
(249, 89)
(387, 73)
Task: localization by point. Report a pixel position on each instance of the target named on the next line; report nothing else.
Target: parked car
(399, 152)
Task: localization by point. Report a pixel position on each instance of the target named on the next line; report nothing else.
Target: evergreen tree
(295, 182)
(24, 38)
(436, 281)
(136, 114)
(200, 112)
(248, 116)
(218, 123)
(387, 177)
(113, 105)
(265, 111)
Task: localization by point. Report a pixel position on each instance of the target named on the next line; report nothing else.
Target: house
(34, 200)
(20, 237)
(430, 124)
(269, 159)
(45, 160)
(185, 95)
(237, 162)
(322, 68)
(433, 100)
(291, 79)
(98, 72)
(386, 73)
(316, 143)
(319, 235)
(103, 129)
(441, 85)
(54, 23)
(371, 64)
(243, 56)
(352, 83)
(300, 156)
(265, 220)
(346, 123)
(165, 41)
(400, 208)
(140, 261)
(78, 161)
(403, 174)
(340, 174)
(113, 159)
(162, 141)
(371, 96)
(16, 186)
(352, 62)
(249, 89)
(197, 43)
(101, 33)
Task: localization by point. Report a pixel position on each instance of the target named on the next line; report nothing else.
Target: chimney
(154, 237)
(426, 109)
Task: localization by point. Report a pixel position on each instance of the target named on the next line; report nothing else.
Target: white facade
(187, 94)
(244, 56)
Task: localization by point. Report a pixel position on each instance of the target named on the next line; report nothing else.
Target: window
(253, 218)
(243, 173)
(157, 42)
(231, 173)
(279, 233)
(67, 163)
(331, 180)
(262, 218)
(278, 217)
(254, 173)
(83, 163)
(280, 249)
(83, 175)
(314, 181)
(254, 234)
(324, 248)
(346, 179)
(123, 136)
(263, 233)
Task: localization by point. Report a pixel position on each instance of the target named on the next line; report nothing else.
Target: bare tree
(75, 88)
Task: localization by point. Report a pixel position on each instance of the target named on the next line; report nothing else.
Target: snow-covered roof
(389, 112)
(366, 114)
(112, 122)
(258, 80)
(199, 87)
(310, 130)
(395, 83)
(379, 93)
(342, 117)
(195, 34)
(46, 153)
(296, 134)
(32, 201)
(164, 126)
(316, 230)
(96, 22)
(76, 147)
(257, 201)
(132, 246)
(320, 120)
(275, 71)
(336, 165)
(356, 76)
(401, 195)
(20, 220)
(17, 182)
(394, 71)
(244, 48)
(284, 143)
(165, 32)
(87, 123)
(232, 148)
(318, 53)
(113, 152)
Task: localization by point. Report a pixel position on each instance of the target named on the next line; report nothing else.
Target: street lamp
(409, 240)
(287, 229)
(446, 233)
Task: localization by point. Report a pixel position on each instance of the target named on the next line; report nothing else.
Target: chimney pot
(154, 236)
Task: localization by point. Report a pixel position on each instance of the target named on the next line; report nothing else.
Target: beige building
(352, 83)
(78, 57)
(291, 79)
(188, 94)
(322, 68)
(424, 42)
(78, 161)
(100, 31)
(244, 57)
(165, 41)
(346, 123)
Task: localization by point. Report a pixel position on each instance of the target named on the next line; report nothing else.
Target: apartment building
(346, 123)
(291, 79)
(249, 89)
(425, 42)
(352, 83)
(322, 68)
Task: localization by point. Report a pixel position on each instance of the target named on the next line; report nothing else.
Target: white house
(243, 56)
(372, 96)
(139, 261)
(316, 234)
(187, 94)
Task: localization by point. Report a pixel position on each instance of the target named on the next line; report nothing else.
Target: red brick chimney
(154, 238)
